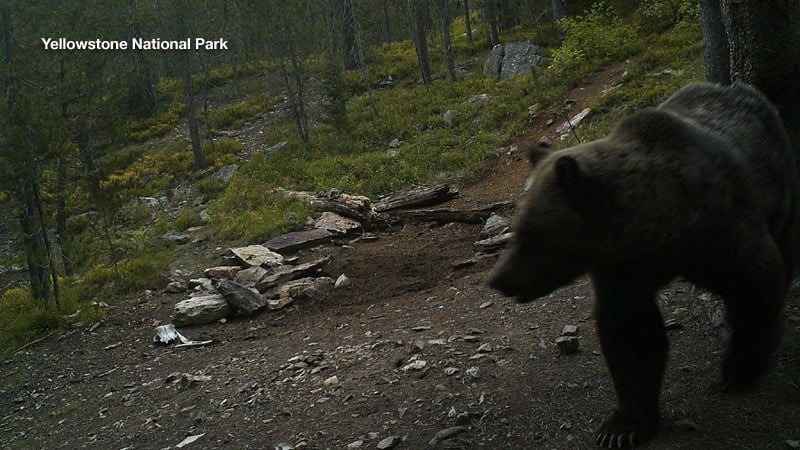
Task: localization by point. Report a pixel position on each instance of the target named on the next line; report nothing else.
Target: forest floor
(416, 345)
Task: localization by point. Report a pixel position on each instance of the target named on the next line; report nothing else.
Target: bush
(593, 39)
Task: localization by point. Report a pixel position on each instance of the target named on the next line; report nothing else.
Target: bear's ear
(539, 151)
(569, 175)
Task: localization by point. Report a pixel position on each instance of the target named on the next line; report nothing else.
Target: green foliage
(157, 125)
(235, 116)
(146, 271)
(674, 60)
(224, 152)
(246, 214)
(24, 319)
(592, 40)
(662, 14)
(186, 219)
(154, 171)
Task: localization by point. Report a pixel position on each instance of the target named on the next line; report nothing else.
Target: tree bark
(468, 22)
(349, 34)
(715, 43)
(417, 18)
(191, 116)
(490, 11)
(764, 43)
(444, 7)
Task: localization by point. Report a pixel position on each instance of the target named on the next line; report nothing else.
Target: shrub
(593, 39)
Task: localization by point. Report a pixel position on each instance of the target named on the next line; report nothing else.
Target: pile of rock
(260, 280)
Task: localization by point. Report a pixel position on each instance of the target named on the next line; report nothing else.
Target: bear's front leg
(634, 344)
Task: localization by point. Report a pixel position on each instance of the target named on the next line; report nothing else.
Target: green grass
(25, 319)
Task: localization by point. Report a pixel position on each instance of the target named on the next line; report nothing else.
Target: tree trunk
(715, 43)
(468, 23)
(764, 43)
(24, 171)
(191, 116)
(387, 21)
(362, 63)
(349, 34)
(444, 7)
(559, 11)
(417, 12)
(490, 11)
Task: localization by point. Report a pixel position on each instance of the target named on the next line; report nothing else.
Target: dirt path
(413, 347)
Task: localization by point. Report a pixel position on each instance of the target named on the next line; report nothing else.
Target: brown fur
(702, 187)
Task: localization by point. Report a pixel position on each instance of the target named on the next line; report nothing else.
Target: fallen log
(419, 196)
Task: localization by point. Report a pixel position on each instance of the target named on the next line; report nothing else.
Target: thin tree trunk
(387, 21)
(468, 22)
(23, 170)
(416, 11)
(349, 34)
(362, 64)
(191, 116)
(559, 11)
(490, 11)
(444, 6)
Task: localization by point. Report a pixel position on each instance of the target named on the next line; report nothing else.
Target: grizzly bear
(702, 187)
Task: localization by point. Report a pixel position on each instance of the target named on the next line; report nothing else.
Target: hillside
(492, 377)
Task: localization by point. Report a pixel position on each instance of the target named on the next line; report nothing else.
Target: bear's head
(552, 242)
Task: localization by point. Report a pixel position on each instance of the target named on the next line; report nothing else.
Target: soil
(417, 344)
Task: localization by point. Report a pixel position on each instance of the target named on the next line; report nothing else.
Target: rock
(395, 143)
(512, 59)
(355, 444)
(567, 344)
(416, 364)
(176, 287)
(250, 276)
(205, 216)
(480, 98)
(200, 310)
(277, 148)
(220, 272)
(303, 288)
(240, 297)
(494, 226)
(225, 173)
(283, 274)
(279, 303)
(569, 330)
(388, 442)
(257, 255)
(175, 238)
(685, 425)
(335, 223)
(331, 381)
(485, 348)
(152, 204)
(449, 117)
(493, 65)
(342, 281)
(493, 244)
(450, 371)
(297, 240)
(201, 284)
(447, 433)
(565, 128)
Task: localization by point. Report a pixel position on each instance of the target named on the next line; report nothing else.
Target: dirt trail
(416, 345)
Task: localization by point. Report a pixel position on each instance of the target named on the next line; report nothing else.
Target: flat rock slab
(200, 310)
(221, 272)
(282, 274)
(334, 223)
(242, 298)
(303, 288)
(257, 255)
(297, 240)
(250, 276)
